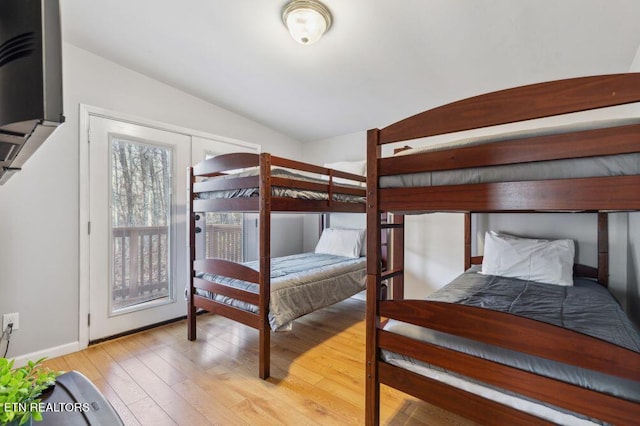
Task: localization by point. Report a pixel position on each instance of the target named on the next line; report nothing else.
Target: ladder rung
(391, 225)
(391, 274)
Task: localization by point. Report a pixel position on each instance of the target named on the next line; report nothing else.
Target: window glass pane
(224, 236)
(224, 231)
(140, 222)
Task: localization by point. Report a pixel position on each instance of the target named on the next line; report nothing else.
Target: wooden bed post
(191, 252)
(603, 249)
(397, 255)
(265, 264)
(372, 386)
(467, 240)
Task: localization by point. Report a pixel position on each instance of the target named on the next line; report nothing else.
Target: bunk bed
(520, 171)
(247, 292)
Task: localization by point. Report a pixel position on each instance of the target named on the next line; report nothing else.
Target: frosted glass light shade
(307, 20)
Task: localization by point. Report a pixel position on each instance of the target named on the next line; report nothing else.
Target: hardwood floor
(158, 377)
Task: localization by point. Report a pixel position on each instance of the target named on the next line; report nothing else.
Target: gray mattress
(277, 191)
(300, 284)
(613, 165)
(586, 307)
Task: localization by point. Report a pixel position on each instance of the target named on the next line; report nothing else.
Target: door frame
(86, 111)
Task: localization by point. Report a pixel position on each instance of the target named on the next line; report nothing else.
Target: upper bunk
(247, 182)
(591, 165)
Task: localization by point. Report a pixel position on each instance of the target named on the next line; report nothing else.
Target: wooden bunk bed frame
(265, 204)
(599, 194)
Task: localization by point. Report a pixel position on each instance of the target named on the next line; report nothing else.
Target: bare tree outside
(140, 219)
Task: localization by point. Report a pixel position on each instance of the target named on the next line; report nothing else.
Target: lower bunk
(502, 350)
(296, 285)
(300, 284)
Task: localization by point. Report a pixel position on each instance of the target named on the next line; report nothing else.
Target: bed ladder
(392, 253)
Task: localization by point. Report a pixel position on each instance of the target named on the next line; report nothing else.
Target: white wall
(286, 235)
(635, 65)
(39, 208)
(350, 147)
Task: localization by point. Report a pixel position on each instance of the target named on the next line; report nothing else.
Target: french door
(137, 231)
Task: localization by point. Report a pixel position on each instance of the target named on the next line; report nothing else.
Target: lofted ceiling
(382, 60)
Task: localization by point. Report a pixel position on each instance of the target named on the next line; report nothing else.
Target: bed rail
(220, 173)
(219, 164)
(574, 398)
(518, 104)
(503, 329)
(480, 409)
(581, 144)
(581, 194)
(225, 162)
(226, 268)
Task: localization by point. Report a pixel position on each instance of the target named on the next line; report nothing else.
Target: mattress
(613, 165)
(300, 284)
(585, 307)
(278, 191)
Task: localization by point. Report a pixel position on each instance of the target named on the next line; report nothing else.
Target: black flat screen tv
(30, 79)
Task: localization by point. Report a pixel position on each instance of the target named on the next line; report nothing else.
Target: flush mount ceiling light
(306, 20)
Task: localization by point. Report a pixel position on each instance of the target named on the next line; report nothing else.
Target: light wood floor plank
(171, 402)
(163, 369)
(126, 387)
(112, 396)
(80, 361)
(207, 405)
(57, 364)
(118, 351)
(149, 413)
(158, 377)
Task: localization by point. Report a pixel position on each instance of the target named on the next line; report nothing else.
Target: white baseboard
(48, 353)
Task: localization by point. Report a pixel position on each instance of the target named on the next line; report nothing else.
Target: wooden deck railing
(224, 242)
(141, 264)
(141, 259)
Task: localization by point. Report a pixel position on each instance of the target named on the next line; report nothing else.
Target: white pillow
(545, 261)
(354, 167)
(341, 242)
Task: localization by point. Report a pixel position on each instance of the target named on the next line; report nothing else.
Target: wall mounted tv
(30, 79)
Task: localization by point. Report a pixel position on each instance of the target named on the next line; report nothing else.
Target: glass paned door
(137, 234)
(140, 219)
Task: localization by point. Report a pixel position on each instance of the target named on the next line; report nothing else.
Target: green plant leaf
(23, 385)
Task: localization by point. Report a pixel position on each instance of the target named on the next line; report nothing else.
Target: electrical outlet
(11, 318)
